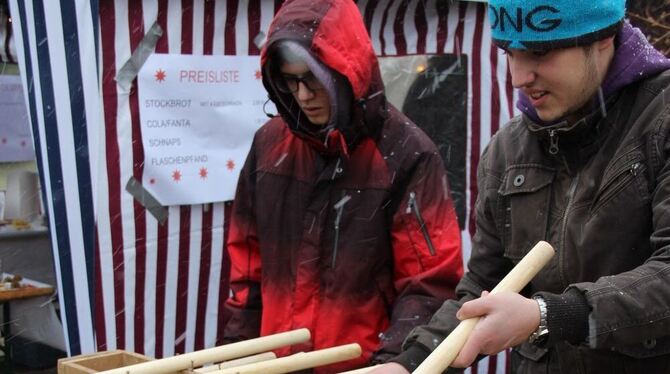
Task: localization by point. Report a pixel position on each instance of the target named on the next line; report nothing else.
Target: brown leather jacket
(603, 202)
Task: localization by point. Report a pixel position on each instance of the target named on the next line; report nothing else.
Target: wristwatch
(539, 336)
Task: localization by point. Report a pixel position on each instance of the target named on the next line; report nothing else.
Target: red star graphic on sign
(176, 175)
(160, 75)
(259, 75)
(203, 173)
(230, 164)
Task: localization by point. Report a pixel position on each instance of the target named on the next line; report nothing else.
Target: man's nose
(304, 93)
(523, 71)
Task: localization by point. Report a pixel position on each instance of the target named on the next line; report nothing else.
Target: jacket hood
(342, 58)
(634, 59)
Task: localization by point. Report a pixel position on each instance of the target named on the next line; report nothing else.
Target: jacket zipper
(564, 228)
(339, 208)
(413, 206)
(553, 142)
(619, 181)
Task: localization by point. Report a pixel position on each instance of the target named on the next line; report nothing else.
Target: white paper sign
(16, 142)
(198, 116)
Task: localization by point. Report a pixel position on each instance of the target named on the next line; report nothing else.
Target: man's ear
(606, 43)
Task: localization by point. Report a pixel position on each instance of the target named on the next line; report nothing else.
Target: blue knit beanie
(551, 24)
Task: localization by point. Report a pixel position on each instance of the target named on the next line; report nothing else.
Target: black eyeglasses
(291, 83)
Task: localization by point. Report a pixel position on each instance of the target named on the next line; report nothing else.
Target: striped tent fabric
(57, 55)
(161, 287)
(126, 281)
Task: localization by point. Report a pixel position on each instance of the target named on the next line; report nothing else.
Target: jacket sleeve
(244, 304)
(427, 255)
(487, 266)
(629, 311)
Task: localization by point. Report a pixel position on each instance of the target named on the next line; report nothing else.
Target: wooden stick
(440, 359)
(217, 354)
(360, 371)
(238, 362)
(298, 361)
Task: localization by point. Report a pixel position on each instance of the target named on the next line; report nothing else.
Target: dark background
(653, 18)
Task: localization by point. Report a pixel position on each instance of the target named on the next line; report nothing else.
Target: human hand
(507, 319)
(389, 368)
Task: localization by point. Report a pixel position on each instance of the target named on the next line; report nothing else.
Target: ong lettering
(538, 19)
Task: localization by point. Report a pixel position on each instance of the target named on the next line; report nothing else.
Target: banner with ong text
(198, 115)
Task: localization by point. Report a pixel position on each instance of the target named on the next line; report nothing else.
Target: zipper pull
(553, 142)
(339, 207)
(338, 169)
(635, 168)
(412, 206)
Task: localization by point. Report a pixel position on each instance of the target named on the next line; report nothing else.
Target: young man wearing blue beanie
(586, 167)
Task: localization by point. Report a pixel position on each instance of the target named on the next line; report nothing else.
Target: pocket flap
(525, 179)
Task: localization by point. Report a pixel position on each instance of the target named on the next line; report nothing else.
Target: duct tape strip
(132, 67)
(135, 188)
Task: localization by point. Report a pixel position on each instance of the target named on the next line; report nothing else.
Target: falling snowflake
(176, 175)
(203, 173)
(160, 75)
(259, 75)
(230, 164)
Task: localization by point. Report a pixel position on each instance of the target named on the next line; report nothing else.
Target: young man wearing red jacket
(342, 221)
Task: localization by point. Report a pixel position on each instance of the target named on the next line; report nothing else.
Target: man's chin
(548, 116)
(318, 121)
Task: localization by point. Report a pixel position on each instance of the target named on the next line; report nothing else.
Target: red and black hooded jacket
(346, 229)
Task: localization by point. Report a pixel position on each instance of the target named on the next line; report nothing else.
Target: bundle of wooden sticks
(254, 356)
(245, 357)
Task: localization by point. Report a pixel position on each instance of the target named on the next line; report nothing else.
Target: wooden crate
(100, 361)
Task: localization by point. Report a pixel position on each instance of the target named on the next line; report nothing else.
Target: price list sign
(198, 116)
